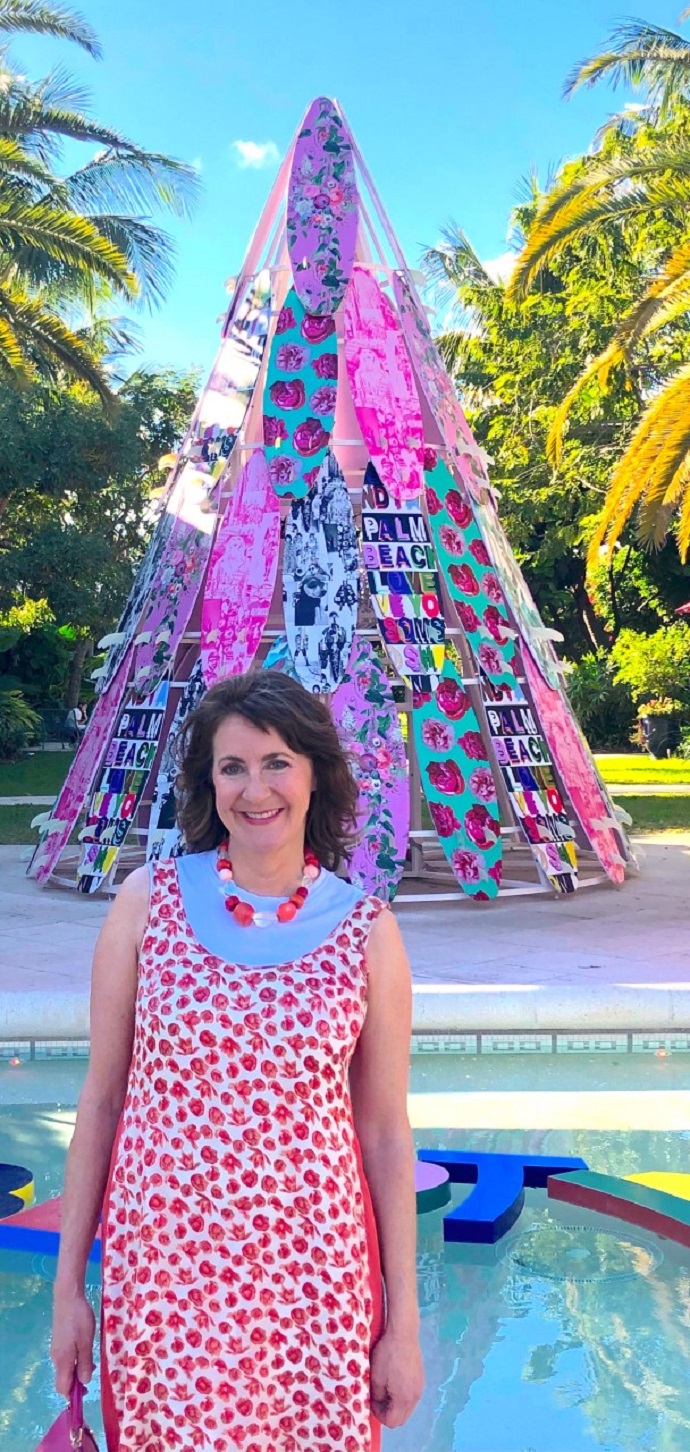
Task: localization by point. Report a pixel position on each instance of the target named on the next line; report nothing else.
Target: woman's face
(262, 788)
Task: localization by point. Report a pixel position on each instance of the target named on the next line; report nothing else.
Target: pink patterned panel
(241, 576)
(469, 459)
(383, 389)
(572, 760)
(80, 777)
(174, 590)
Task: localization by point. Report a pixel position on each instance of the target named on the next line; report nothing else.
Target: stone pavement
(602, 959)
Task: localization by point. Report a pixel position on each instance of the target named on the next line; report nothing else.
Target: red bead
(231, 903)
(286, 911)
(311, 858)
(302, 894)
(224, 863)
(243, 914)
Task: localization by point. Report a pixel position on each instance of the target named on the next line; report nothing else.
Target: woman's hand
(74, 1328)
(397, 1377)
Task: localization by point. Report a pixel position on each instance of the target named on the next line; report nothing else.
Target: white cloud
(255, 154)
(500, 268)
(197, 163)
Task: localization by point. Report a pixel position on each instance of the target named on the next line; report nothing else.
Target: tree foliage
(639, 180)
(514, 359)
(76, 492)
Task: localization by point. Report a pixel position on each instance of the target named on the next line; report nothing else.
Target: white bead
(264, 919)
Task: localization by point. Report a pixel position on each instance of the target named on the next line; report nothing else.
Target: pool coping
(449, 1010)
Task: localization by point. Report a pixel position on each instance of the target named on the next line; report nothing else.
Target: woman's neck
(274, 874)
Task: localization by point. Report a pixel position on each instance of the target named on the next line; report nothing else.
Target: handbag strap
(76, 1412)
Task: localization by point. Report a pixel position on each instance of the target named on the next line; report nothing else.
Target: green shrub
(19, 725)
(604, 709)
(654, 665)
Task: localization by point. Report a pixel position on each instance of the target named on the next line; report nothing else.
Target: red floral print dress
(242, 1287)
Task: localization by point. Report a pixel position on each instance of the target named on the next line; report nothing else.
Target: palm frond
(149, 251)
(568, 217)
(684, 528)
(31, 15)
(599, 368)
(133, 179)
(638, 54)
(64, 236)
(48, 344)
(656, 451)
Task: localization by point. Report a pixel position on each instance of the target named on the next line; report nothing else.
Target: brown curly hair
(268, 699)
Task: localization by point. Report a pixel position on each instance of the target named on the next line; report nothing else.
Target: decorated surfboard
(206, 450)
(383, 389)
(175, 588)
(480, 604)
(572, 760)
(164, 836)
(403, 584)
(278, 658)
(469, 575)
(226, 399)
(368, 725)
(527, 772)
(471, 461)
(241, 576)
(299, 397)
(322, 209)
(74, 793)
(321, 580)
(119, 642)
(533, 632)
(458, 781)
(126, 769)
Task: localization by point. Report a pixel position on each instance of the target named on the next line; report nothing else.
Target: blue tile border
(424, 1044)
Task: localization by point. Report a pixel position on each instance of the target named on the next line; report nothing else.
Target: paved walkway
(600, 960)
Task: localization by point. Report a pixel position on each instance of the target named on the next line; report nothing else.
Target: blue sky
(452, 102)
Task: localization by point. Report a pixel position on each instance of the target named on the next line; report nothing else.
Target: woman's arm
(379, 1077)
(113, 994)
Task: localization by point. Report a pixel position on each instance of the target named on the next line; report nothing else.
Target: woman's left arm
(379, 1076)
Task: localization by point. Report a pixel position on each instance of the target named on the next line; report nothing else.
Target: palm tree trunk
(84, 649)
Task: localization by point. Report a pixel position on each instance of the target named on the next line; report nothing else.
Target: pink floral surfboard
(74, 793)
(383, 389)
(299, 397)
(241, 576)
(470, 460)
(458, 782)
(126, 768)
(572, 760)
(322, 209)
(124, 634)
(368, 724)
(175, 588)
(403, 584)
(321, 580)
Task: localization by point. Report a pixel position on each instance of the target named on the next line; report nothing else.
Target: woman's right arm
(113, 995)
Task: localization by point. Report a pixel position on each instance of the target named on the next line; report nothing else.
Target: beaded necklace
(244, 913)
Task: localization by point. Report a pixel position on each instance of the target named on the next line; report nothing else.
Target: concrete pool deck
(601, 960)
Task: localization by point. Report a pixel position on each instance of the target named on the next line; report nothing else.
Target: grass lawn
(37, 775)
(15, 828)
(643, 770)
(658, 814)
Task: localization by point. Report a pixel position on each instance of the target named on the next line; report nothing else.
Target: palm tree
(69, 242)
(640, 173)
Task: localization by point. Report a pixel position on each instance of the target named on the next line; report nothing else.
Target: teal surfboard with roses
(458, 782)
(299, 397)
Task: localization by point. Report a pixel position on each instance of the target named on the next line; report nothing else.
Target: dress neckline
(251, 967)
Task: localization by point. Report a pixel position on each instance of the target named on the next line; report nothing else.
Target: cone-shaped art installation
(329, 514)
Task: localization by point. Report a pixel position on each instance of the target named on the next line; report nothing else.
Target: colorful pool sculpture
(659, 1202)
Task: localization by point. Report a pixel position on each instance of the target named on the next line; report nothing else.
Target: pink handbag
(70, 1431)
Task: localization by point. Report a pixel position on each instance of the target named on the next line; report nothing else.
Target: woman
(250, 1028)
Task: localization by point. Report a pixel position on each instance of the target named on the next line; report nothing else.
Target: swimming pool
(573, 1333)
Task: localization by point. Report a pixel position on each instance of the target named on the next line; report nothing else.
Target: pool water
(571, 1334)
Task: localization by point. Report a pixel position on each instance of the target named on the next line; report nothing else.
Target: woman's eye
(279, 765)
(231, 769)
